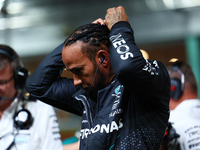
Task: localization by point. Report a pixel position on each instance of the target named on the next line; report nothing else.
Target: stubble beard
(99, 83)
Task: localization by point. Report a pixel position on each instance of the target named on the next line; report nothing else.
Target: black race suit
(130, 113)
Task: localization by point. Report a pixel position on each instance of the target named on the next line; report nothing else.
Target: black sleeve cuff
(121, 24)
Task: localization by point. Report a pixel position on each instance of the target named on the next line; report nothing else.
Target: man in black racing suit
(122, 97)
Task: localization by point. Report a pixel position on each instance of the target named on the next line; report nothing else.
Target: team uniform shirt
(185, 118)
(130, 113)
(44, 133)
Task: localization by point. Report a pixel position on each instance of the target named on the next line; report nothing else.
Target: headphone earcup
(170, 133)
(176, 88)
(20, 76)
(23, 119)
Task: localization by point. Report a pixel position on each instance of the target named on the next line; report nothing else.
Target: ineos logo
(120, 44)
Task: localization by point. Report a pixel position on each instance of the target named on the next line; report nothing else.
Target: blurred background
(166, 30)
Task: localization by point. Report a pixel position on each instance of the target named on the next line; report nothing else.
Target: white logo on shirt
(120, 44)
(111, 127)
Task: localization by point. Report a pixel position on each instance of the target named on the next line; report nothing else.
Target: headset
(21, 73)
(170, 133)
(170, 138)
(102, 59)
(22, 118)
(177, 85)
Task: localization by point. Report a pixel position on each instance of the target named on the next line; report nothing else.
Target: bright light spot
(1, 4)
(145, 54)
(14, 8)
(169, 4)
(27, 94)
(173, 60)
(152, 4)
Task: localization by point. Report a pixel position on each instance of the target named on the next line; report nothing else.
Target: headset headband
(7, 53)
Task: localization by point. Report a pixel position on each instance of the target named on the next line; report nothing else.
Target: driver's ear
(102, 56)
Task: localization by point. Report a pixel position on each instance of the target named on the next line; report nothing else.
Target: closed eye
(76, 71)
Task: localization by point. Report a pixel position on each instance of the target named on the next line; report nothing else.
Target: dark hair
(11, 58)
(95, 36)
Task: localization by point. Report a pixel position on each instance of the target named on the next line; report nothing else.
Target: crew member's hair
(4, 60)
(188, 73)
(95, 36)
